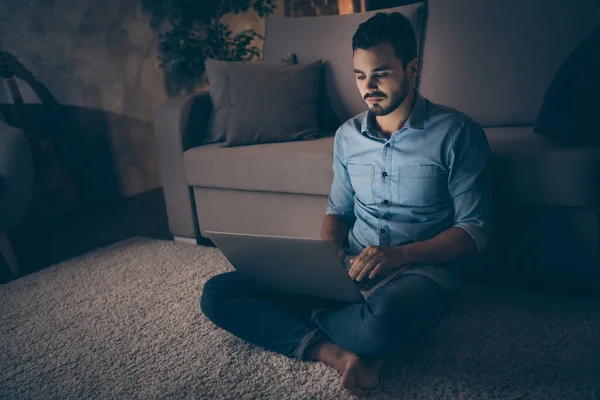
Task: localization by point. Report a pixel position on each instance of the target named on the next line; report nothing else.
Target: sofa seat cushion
(303, 167)
(529, 169)
(535, 170)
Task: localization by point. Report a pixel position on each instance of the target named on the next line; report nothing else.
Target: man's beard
(379, 111)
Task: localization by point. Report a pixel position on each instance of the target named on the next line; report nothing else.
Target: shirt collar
(416, 118)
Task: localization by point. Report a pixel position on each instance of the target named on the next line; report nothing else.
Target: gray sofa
(492, 60)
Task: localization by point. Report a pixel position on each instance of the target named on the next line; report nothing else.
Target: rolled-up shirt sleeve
(341, 196)
(470, 181)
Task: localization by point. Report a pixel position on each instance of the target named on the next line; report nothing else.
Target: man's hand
(377, 261)
(339, 250)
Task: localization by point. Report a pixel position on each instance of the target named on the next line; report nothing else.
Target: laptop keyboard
(366, 284)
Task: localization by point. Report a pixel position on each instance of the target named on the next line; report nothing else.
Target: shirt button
(382, 231)
(384, 174)
(387, 145)
(386, 202)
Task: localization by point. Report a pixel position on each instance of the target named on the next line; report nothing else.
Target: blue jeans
(395, 318)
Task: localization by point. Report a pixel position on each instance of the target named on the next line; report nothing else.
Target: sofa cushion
(494, 60)
(535, 170)
(272, 103)
(289, 167)
(217, 76)
(218, 80)
(569, 110)
(329, 38)
(529, 169)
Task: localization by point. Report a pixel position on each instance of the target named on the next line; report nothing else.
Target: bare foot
(361, 374)
(358, 373)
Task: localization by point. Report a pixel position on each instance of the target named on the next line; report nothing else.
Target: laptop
(296, 265)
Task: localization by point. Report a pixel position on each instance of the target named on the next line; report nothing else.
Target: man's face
(380, 78)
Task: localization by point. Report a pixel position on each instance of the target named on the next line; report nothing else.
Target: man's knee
(379, 338)
(212, 293)
(396, 333)
(385, 342)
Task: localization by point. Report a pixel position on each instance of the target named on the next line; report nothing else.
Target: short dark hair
(394, 28)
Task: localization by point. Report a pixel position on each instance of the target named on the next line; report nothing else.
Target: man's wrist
(405, 255)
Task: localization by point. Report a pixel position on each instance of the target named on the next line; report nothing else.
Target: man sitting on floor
(411, 186)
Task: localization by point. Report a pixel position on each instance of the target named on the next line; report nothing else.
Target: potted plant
(196, 32)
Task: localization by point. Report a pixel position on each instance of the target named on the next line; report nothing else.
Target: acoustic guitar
(54, 193)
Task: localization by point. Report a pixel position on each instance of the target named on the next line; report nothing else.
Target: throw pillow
(570, 107)
(217, 76)
(272, 103)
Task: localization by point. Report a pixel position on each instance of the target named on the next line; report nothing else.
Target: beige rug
(124, 322)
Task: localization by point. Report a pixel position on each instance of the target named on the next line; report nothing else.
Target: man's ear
(414, 68)
(412, 71)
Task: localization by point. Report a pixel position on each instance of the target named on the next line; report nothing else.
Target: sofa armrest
(180, 124)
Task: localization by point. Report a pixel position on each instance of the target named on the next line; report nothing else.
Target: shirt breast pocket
(422, 185)
(361, 177)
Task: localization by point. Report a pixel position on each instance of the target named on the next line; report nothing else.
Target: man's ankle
(313, 352)
(324, 350)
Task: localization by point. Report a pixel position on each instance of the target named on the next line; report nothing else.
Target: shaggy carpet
(124, 322)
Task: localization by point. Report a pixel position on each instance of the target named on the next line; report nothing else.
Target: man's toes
(370, 377)
(358, 392)
(348, 379)
(350, 383)
(369, 381)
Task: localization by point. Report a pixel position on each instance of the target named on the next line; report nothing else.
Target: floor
(141, 215)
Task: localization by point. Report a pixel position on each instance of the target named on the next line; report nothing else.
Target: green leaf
(197, 32)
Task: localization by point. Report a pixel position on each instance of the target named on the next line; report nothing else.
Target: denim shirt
(429, 176)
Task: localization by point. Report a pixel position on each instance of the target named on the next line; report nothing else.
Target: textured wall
(99, 55)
